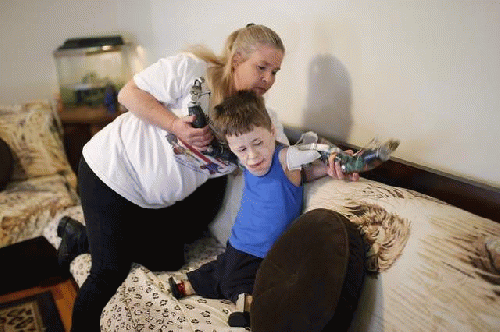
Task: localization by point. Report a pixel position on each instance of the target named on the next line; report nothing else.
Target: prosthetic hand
(216, 149)
(307, 150)
(367, 158)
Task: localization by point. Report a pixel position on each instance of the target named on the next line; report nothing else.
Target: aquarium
(89, 67)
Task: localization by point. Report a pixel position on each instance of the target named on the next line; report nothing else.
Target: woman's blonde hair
(220, 71)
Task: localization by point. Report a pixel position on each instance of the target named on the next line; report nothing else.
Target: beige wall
(426, 72)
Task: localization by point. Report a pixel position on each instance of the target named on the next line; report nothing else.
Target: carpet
(28, 264)
(34, 313)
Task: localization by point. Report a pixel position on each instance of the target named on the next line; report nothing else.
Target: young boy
(272, 199)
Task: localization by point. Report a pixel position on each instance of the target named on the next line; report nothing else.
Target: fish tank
(88, 67)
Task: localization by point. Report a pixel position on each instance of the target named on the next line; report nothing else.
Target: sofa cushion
(299, 283)
(34, 134)
(26, 207)
(6, 164)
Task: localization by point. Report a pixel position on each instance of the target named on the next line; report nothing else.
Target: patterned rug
(33, 313)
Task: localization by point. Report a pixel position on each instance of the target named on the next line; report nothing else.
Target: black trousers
(121, 233)
(231, 274)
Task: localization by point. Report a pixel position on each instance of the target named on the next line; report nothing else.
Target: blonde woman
(144, 180)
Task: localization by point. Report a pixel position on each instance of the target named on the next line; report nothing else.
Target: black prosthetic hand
(216, 149)
(364, 160)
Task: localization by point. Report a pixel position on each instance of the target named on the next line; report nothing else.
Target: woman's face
(258, 72)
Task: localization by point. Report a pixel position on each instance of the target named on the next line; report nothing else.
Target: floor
(64, 293)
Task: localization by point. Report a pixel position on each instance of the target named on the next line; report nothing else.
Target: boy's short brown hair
(239, 114)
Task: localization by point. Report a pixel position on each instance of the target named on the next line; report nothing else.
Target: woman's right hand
(335, 171)
(145, 106)
(200, 138)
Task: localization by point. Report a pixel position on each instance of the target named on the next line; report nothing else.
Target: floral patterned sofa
(434, 266)
(36, 180)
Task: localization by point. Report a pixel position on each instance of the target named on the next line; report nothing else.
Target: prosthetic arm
(307, 150)
(216, 149)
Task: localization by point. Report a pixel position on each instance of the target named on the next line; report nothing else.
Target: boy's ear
(273, 130)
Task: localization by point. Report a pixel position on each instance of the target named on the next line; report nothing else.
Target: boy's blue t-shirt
(268, 206)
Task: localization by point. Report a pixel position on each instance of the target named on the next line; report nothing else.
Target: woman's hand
(200, 138)
(335, 171)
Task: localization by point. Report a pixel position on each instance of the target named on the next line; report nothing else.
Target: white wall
(426, 72)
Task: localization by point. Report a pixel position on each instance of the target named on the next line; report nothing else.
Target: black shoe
(239, 319)
(74, 241)
(175, 290)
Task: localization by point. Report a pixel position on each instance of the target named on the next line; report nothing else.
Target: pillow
(6, 164)
(487, 255)
(34, 133)
(302, 284)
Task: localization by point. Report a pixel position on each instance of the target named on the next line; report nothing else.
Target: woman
(145, 187)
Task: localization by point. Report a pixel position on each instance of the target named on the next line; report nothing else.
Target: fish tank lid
(89, 45)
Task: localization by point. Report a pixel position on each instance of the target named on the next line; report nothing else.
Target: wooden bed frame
(477, 198)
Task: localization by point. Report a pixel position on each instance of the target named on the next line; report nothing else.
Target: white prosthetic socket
(296, 158)
(307, 150)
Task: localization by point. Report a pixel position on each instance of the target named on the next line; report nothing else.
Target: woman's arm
(148, 108)
(318, 169)
(314, 171)
(145, 106)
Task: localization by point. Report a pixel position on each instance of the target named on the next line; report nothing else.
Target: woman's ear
(237, 59)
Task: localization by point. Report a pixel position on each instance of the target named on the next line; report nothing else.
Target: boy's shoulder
(282, 158)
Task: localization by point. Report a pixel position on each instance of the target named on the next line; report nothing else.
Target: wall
(426, 72)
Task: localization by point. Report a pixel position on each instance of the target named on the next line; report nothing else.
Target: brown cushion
(300, 282)
(6, 164)
(354, 279)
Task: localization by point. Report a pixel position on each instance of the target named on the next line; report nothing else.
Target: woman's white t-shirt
(144, 163)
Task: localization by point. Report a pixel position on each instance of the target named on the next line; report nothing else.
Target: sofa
(431, 265)
(36, 180)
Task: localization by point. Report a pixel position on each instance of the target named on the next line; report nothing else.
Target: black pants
(121, 232)
(231, 274)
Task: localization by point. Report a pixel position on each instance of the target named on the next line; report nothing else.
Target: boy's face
(254, 149)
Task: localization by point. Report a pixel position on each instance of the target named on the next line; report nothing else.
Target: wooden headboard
(477, 198)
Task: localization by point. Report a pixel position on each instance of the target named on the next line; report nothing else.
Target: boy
(271, 200)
